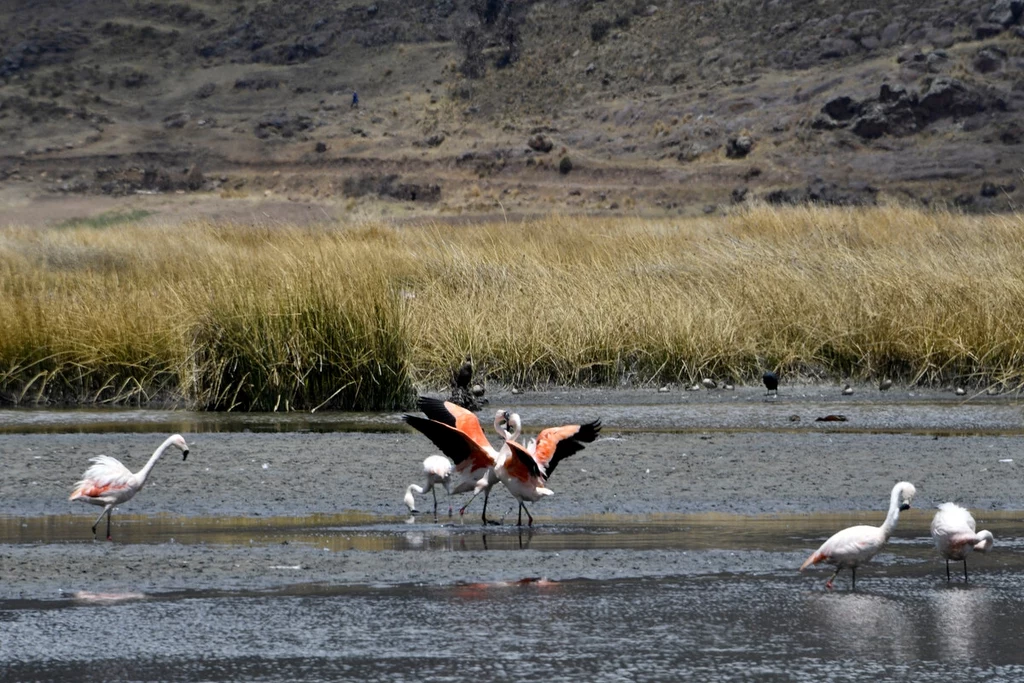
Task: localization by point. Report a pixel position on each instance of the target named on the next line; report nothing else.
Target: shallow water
(280, 550)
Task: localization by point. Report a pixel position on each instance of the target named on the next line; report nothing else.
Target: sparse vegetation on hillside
(230, 317)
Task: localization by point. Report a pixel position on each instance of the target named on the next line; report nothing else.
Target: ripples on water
(738, 628)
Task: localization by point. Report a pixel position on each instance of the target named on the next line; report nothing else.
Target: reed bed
(277, 317)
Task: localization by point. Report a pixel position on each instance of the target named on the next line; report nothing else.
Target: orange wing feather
(547, 442)
(467, 423)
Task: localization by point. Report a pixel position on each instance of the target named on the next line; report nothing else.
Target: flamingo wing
(106, 474)
(454, 443)
(521, 464)
(454, 416)
(557, 443)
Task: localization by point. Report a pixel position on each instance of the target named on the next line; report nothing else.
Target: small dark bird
(771, 382)
(885, 384)
(465, 373)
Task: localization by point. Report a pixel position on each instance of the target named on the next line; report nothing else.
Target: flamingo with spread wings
(526, 470)
(108, 483)
(457, 433)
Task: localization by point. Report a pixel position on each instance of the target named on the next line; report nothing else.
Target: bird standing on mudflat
(953, 530)
(437, 470)
(457, 433)
(856, 545)
(108, 483)
(771, 382)
(525, 471)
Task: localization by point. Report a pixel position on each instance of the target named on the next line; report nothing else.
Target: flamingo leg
(435, 501)
(95, 524)
(529, 517)
(109, 510)
(487, 495)
(965, 569)
(828, 584)
(853, 570)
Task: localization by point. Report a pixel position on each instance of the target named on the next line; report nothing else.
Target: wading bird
(437, 469)
(457, 433)
(771, 382)
(525, 470)
(108, 483)
(885, 384)
(954, 535)
(856, 545)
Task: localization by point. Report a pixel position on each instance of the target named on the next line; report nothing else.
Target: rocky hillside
(516, 106)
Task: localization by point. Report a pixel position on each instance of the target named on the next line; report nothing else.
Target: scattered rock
(435, 140)
(1005, 13)
(989, 59)
(565, 165)
(540, 143)
(832, 418)
(842, 108)
(738, 147)
(983, 31)
(321, 148)
(739, 194)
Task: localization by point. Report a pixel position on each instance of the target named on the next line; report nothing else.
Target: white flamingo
(954, 535)
(437, 470)
(525, 470)
(457, 433)
(108, 483)
(856, 545)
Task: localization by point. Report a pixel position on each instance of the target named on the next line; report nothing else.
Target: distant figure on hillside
(355, 99)
(771, 382)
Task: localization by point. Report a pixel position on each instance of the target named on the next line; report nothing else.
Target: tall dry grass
(243, 317)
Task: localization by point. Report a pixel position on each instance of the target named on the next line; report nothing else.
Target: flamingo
(525, 471)
(437, 469)
(108, 483)
(856, 545)
(457, 433)
(954, 535)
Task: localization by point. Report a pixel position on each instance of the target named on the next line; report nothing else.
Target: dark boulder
(1005, 12)
(540, 143)
(739, 146)
(842, 108)
(949, 97)
(873, 124)
(989, 59)
(987, 30)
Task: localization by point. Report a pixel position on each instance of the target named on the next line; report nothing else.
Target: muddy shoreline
(265, 509)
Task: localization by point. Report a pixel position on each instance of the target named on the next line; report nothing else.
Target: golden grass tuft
(258, 318)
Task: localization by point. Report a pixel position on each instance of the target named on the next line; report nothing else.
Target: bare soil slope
(493, 106)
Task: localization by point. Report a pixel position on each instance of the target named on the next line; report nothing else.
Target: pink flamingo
(954, 535)
(108, 483)
(437, 470)
(457, 433)
(858, 544)
(525, 470)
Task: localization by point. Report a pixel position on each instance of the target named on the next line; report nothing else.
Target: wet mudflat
(283, 551)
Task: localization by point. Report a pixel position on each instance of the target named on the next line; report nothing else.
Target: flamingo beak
(184, 457)
(904, 506)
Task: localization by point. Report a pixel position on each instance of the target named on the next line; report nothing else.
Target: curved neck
(144, 472)
(517, 428)
(894, 514)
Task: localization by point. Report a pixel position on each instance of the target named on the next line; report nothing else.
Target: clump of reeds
(263, 318)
